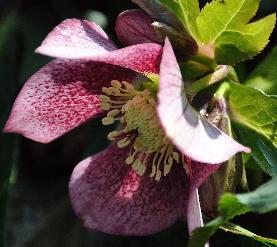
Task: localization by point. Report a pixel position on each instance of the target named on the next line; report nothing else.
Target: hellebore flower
(64, 93)
(162, 150)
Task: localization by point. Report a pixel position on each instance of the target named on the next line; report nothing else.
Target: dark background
(34, 206)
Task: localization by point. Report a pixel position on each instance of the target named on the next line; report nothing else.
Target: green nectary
(140, 114)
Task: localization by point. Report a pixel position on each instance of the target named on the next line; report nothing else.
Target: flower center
(140, 127)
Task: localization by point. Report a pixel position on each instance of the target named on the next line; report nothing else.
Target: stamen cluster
(139, 126)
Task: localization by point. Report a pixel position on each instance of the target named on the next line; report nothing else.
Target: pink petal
(143, 58)
(134, 27)
(79, 39)
(199, 173)
(108, 196)
(194, 136)
(76, 38)
(61, 96)
(194, 215)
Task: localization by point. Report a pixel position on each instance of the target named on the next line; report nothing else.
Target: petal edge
(194, 136)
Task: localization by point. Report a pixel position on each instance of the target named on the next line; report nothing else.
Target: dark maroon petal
(108, 196)
(134, 27)
(193, 135)
(75, 39)
(200, 172)
(61, 96)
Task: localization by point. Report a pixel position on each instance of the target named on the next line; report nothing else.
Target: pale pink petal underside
(194, 215)
(194, 136)
(199, 173)
(75, 38)
(61, 96)
(135, 27)
(109, 196)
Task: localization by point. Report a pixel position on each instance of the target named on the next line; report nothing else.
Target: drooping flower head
(162, 148)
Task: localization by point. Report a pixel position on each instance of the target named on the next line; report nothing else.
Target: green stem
(219, 74)
(8, 155)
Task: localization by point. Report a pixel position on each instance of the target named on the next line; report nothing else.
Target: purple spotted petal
(143, 58)
(108, 196)
(194, 136)
(61, 96)
(134, 27)
(75, 39)
(79, 39)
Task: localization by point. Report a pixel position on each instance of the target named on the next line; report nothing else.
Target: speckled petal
(108, 196)
(143, 58)
(194, 136)
(134, 27)
(79, 39)
(76, 38)
(61, 96)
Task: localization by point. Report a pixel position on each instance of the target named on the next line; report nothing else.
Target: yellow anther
(112, 135)
(116, 84)
(104, 98)
(185, 166)
(108, 120)
(106, 90)
(153, 172)
(113, 113)
(137, 145)
(111, 91)
(146, 94)
(115, 91)
(176, 156)
(158, 175)
(167, 167)
(129, 160)
(139, 167)
(128, 86)
(105, 106)
(124, 142)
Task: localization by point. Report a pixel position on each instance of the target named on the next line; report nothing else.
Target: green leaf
(230, 206)
(254, 109)
(263, 151)
(236, 229)
(187, 11)
(264, 76)
(223, 25)
(261, 200)
(218, 17)
(270, 153)
(254, 117)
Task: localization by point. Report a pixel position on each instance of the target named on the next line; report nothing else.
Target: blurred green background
(34, 206)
